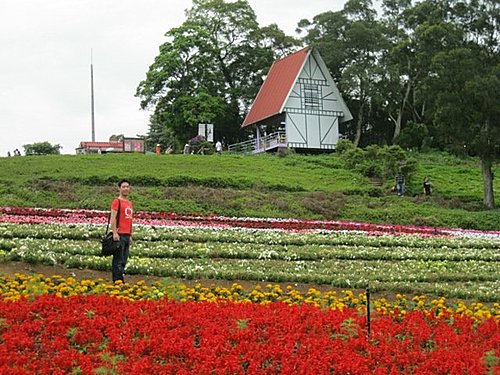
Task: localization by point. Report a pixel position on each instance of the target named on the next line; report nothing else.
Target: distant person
(427, 186)
(121, 225)
(169, 150)
(218, 147)
(17, 153)
(158, 149)
(400, 184)
(8, 154)
(186, 150)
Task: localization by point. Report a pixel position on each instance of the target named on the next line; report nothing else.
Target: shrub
(382, 162)
(370, 168)
(344, 145)
(412, 136)
(393, 158)
(353, 157)
(42, 148)
(202, 147)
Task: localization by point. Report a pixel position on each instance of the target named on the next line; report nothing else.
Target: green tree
(116, 138)
(351, 42)
(381, 162)
(161, 134)
(412, 136)
(465, 86)
(42, 148)
(401, 71)
(209, 70)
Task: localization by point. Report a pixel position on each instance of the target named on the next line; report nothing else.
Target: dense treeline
(419, 74)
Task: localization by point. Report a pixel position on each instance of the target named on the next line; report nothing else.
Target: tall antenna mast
(92, 94)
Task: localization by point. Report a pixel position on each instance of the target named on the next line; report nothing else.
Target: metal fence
(268, 142)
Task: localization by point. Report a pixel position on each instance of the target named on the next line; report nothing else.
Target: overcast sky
(45, 63)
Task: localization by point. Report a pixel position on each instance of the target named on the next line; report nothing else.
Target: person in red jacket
(121, 225)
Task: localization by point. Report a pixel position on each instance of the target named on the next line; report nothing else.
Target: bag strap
(117, 217)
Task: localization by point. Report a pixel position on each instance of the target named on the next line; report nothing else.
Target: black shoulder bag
(109, 245)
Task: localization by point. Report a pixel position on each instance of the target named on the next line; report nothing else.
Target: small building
(298, 106)
(129, 145)
(99, 147)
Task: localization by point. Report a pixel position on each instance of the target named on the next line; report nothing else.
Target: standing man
(218, 147)
(400, 184)
(121, 214)
(427, 185)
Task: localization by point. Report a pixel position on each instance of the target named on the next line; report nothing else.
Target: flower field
(56, 325)
(442, 262)
(65, 326)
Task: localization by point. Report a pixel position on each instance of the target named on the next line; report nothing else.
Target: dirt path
(11, 268)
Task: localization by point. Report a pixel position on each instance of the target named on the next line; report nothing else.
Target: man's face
(124, 189)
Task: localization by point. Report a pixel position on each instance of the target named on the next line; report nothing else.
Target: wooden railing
(268, 142)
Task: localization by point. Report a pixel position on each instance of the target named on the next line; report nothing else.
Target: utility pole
(368, 317)
(92, 95)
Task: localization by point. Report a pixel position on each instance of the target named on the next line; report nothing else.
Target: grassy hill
(309, 187)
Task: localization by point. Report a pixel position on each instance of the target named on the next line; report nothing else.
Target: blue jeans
(120, 259)
(400, 188)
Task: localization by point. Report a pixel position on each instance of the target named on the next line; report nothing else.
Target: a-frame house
(298, 106)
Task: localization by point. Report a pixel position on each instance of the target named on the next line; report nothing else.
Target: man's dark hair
(122, 181)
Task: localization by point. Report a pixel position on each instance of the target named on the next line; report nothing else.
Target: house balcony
(269, 142)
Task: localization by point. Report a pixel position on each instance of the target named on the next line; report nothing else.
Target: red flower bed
(159, 219)
(51, 335)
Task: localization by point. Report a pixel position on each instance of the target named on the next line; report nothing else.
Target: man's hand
(116, 237)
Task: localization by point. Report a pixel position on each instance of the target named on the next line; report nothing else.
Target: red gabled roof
(276, 87)
(101, 145)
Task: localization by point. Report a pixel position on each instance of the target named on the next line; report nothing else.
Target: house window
(311, 96)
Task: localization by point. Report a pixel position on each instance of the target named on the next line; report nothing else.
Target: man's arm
(114, 214)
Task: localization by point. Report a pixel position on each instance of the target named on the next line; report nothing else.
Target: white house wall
(312, 131)
(313, 108)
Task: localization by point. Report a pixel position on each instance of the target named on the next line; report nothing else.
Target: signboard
(210, 132)
(201, 129)
(206, 130)
(134, 145)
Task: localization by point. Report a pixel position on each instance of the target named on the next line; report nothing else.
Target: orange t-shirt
(126, 213)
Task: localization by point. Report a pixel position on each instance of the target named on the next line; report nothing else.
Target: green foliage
(351, 41)
(394, 159)
(353, 158)
(379, 162)
(42, 148)
(162, 135)
(203, 148)
(431, 68)
(423, 73)
(412, 136)
(371, 164)
(344, 145)
(210, 68)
